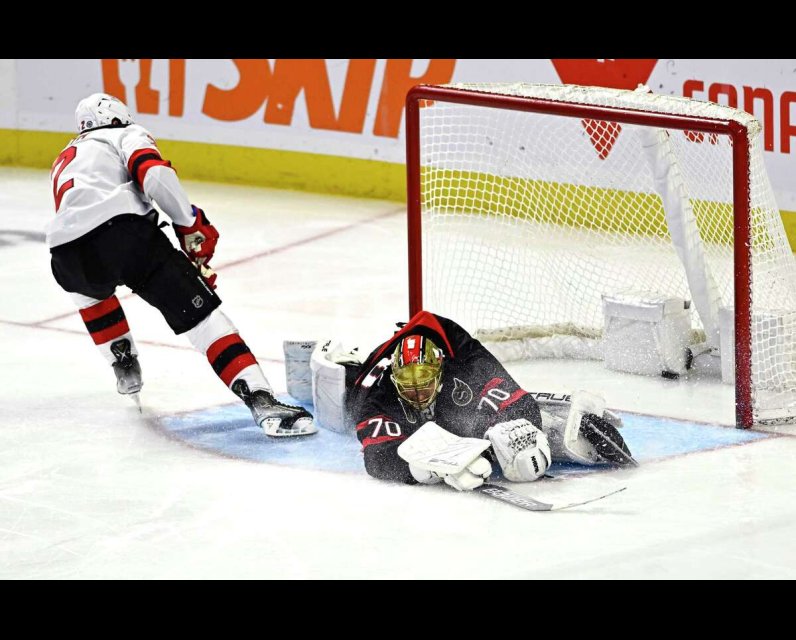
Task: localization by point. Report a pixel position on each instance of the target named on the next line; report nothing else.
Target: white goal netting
(529, 218)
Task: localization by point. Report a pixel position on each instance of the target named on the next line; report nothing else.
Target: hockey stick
(530, 504)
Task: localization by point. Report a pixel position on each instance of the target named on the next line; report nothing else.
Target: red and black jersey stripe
(229, 356)
(494, 382)
(375, 423)
(514, 397)
(142, 161)
(105, 320)
(369, 442)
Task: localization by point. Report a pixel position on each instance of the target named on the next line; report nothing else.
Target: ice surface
(90, 488)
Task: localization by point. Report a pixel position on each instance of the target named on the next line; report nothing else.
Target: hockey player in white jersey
(105, 233)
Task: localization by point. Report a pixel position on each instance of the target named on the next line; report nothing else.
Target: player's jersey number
(67, 155)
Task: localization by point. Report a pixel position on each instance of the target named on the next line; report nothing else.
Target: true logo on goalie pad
(462, 394)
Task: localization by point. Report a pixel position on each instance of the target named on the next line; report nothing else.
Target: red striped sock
(229, 356)
(105, 320)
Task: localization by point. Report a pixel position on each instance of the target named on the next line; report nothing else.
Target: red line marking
(153, 343)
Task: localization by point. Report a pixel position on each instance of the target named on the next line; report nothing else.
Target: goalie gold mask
(417, 371)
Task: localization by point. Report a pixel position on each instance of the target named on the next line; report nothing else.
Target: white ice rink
(90, 488)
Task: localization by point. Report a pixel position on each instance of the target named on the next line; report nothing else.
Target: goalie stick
(530, 504)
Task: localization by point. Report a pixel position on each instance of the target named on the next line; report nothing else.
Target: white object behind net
(529, 218)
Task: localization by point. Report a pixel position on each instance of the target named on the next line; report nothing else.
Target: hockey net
(529, 203)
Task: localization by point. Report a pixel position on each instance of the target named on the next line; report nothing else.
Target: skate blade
(301, 427)
(136, 398)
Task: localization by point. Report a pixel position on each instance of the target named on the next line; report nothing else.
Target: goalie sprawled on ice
(432, 404)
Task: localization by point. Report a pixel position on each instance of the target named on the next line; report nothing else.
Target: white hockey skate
(275, 419)
(127, 370)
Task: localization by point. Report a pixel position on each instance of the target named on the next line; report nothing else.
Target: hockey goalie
(432, 405)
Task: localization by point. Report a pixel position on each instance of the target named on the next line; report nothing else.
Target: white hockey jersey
(104, 173)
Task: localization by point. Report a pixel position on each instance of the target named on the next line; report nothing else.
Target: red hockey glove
(199, 240)
(208, 274)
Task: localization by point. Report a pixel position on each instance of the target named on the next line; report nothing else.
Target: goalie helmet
(417, 371)
(101, 110)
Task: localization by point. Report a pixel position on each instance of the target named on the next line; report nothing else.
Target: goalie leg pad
(297, 368)
(571, 443)
(562, 420)
(328, 365)
(588, 434)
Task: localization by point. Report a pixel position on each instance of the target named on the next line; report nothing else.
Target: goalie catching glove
(521, 449)
(435, 454)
